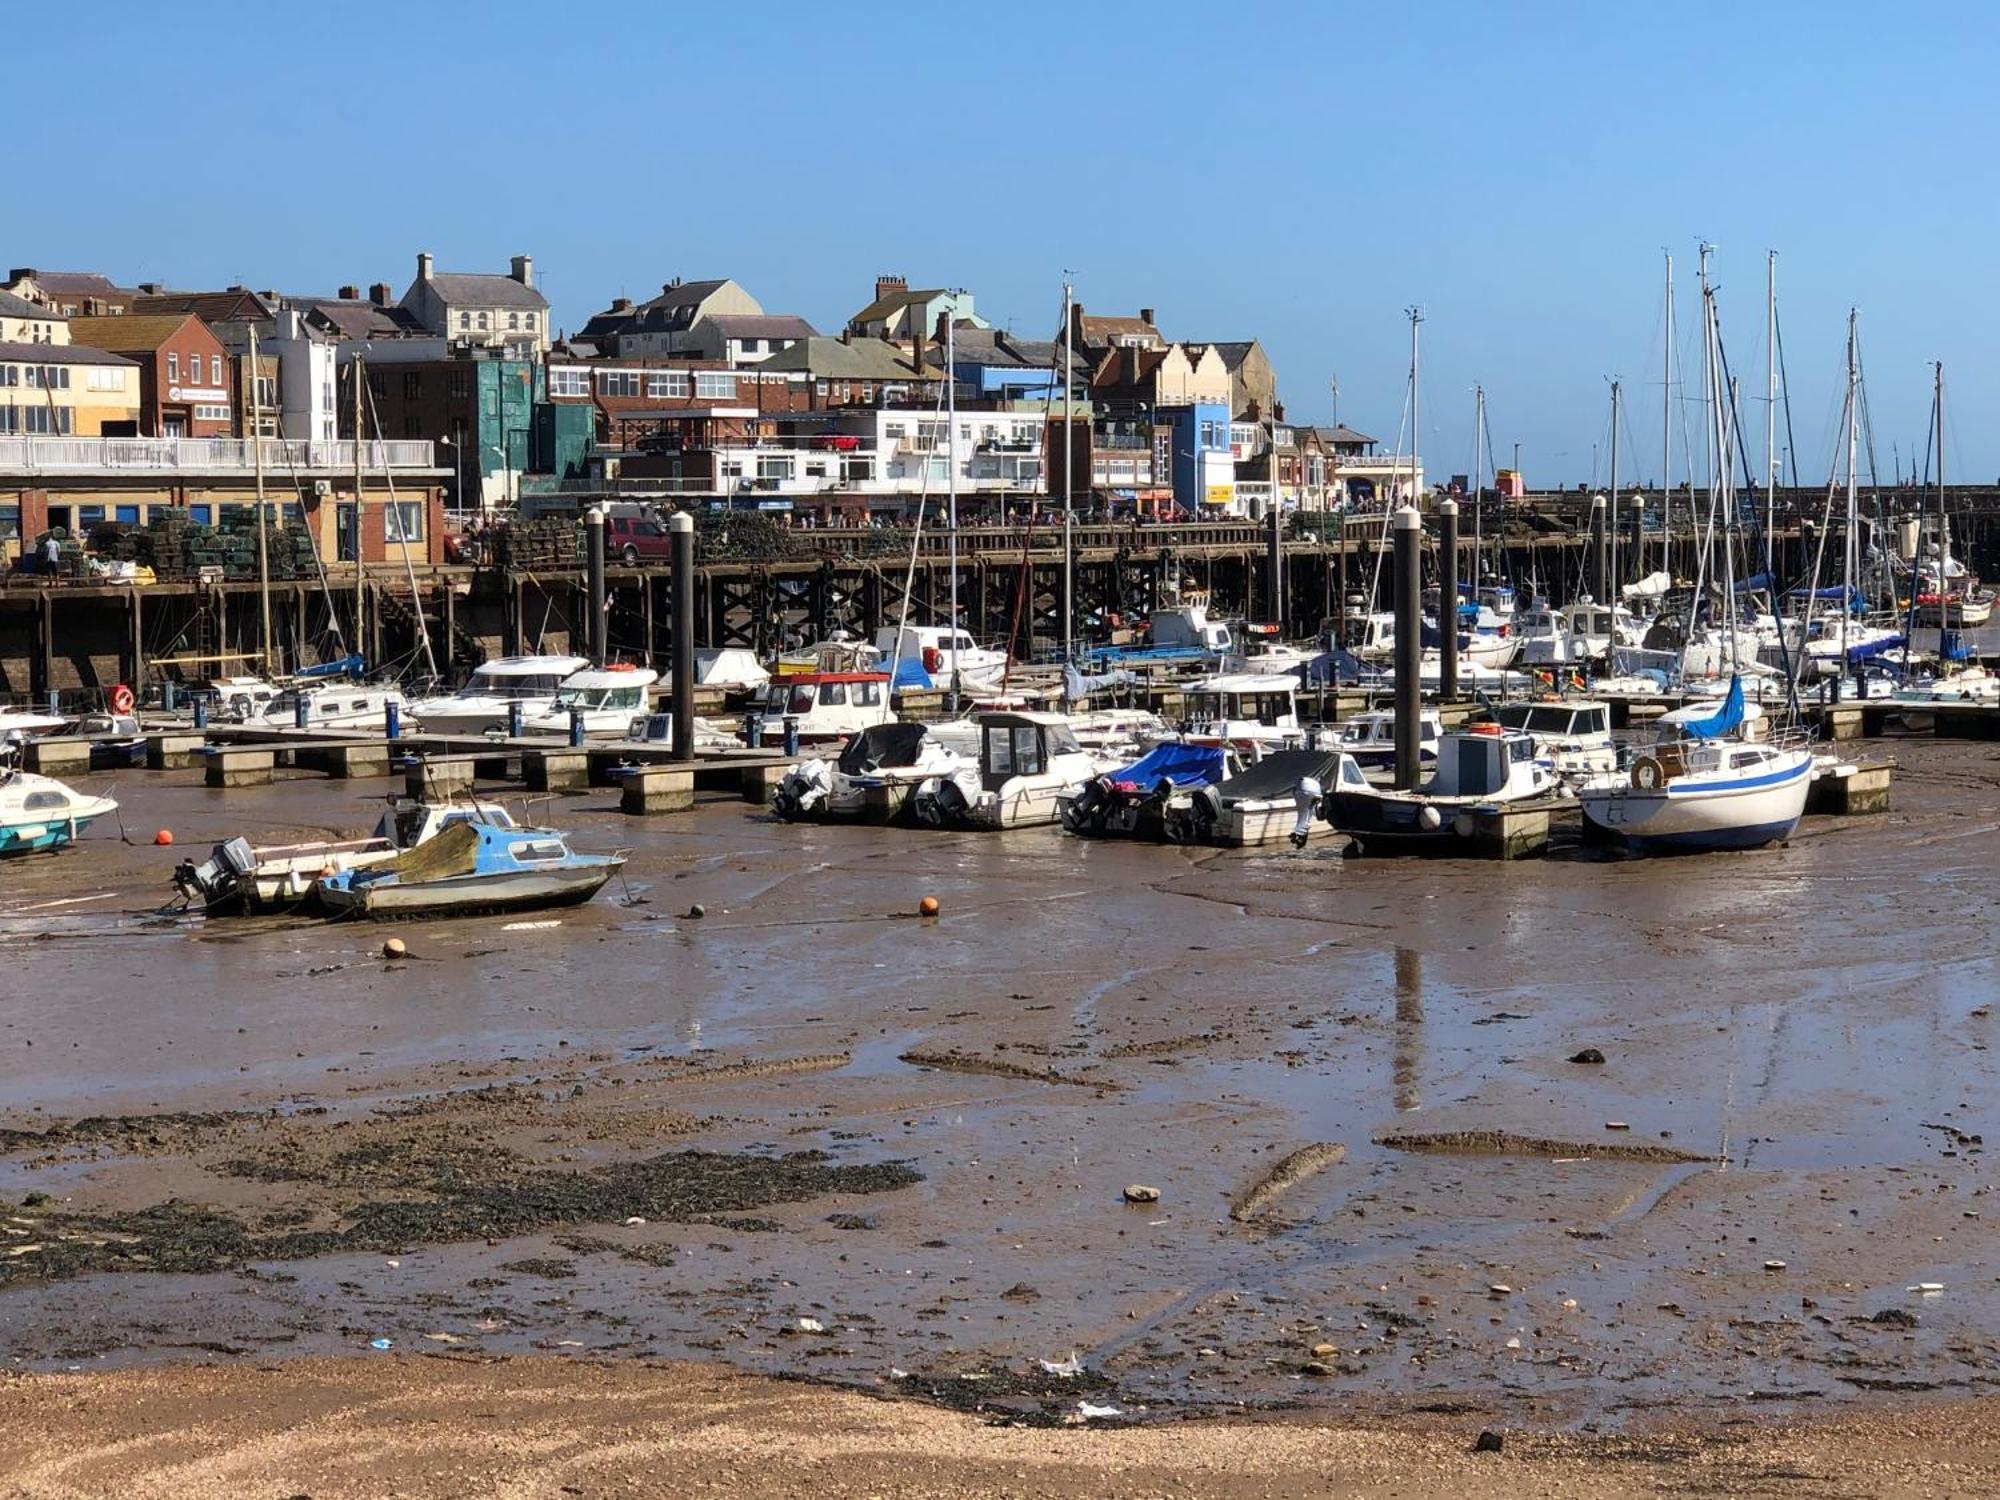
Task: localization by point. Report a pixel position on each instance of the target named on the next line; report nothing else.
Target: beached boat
(1248, 711)
(486, 703)
(872, 781)
(1479, 767)
(471, 867)
(333, 705)
(1572, 736)
(39, 812)
(1131, 802)
(1371, 739)
(1025, 762)
(827, 707)
(606, 698)
(1272, 800)
(244, 879)
(1709, 790)
(116, 743)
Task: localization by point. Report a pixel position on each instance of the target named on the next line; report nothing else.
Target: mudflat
(808, 1134)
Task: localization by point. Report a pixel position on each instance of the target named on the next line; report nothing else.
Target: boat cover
(1183, 765)
(910, 673)
(1278, 773)
(1725, 720)
(346, 666)
(882, 745)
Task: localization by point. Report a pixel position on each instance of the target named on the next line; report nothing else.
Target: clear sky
(1296, 173)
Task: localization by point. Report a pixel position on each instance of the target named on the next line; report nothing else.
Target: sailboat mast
(1770, 403)
(1611, 513)
(1944, 524)
(1069, 544)
(1478, 491)
(951, 476)
(1416, 427)
(1849, 552)
(263, 541)
(360, 567)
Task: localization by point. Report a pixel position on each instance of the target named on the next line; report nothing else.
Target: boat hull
(464, 895)
(1691, 820)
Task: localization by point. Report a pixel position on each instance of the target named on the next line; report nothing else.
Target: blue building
(993, 363)
(1203, 468)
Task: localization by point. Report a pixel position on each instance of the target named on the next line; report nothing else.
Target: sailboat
(1945, 594)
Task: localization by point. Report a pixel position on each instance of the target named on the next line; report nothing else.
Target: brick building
(187, 381)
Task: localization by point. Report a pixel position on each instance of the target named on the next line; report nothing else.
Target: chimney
(621, 304)
(524, 269)
(847, 335)
(884, 285)
(238, 286)
(150, 288)
(669, 286)
(424, 264)
(1277, 410)
(1146, 315)
(350, 294)
(380, 295)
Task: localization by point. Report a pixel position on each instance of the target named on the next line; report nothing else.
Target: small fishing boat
(39, 812)
(605, 698)
(872, 781)
(334, 705)
(468, 868)
(1709, 790)
(1131, 802)
(1248, 711)
(486, 703)
(1026, 761)
(1479, 767)
(828, 707)
(244, 879)
(17, 724)
(1371, 739)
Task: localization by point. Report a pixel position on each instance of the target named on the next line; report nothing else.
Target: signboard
(1219, 494)
(193, 393)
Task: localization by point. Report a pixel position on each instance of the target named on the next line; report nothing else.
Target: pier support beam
(1409, 646)
(1447, 601)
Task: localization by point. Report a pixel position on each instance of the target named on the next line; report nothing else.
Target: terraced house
(187, 381)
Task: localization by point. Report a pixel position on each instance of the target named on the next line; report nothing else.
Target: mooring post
(680, 527)
(1448, 601)
(1409, 644)
(593, 557)
(1600, 551)
(1275, 545)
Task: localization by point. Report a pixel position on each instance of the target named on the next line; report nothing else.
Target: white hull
(1692, 813)
(507, 891)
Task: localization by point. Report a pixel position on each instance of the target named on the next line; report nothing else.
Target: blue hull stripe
(1752, 837)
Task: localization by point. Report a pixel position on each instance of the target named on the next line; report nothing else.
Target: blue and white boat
(1131, 802)
(39, 812)
(472, 867)
(1708, 791)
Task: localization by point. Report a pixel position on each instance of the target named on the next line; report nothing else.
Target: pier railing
(149, 455)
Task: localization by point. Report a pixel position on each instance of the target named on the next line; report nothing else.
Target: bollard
(791, 734)
(516, 717)
(1448, 601)
(392, 720)
(301, 711)
(1409, 644)
(201, 712)
(55, 703)
(1312, 737)
(593, 559)
(168, 696)
(753, 730)
(680, 529)
(575, 728)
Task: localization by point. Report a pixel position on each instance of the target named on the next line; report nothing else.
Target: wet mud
(811, 1135)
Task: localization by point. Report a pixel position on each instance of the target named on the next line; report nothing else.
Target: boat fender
(1429, 818)
(122, 699)
(1648, 775)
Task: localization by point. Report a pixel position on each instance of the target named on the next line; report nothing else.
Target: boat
(606, 699)
(734, 669)
(39, 812)
(116, 743)
(943, 653)
(244, 879)
(839, 652)
(486, 703)
(1580, 632)
(1572, 736)
(872, 780)
(468, 868)
(1025, 761)
(1246, 710)
(1275, 799)
(655, 731)
(1709, 790)
(1262, 652)
(1371, 739)
(17, 724)
(235, 699)
(1131, 801)
(334, 705)
(826, 708)
(1479, 768)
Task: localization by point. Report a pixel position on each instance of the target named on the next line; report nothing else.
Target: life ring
(933, 660)
(1648, 775)
(122, 699)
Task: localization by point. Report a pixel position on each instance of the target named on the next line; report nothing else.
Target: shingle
(20, 307)
(479, 288)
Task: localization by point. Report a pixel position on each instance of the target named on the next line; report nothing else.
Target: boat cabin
(523, 677)
(1027, 744)
(1376, 730)
(412, 823)
(1244, 698)
(1557, 721)
(1486, 760)
(827, 705)
(607, 691)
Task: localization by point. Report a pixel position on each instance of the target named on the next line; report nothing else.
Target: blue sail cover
(1726, 721)
(1857, 654)
(1183, 765)
(910, 673)
(345, 666)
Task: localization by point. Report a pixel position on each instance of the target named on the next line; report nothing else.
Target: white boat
(606, 698)
(244, 879)
(1025, 762)
(485, 703)
(235, 699)
(17, 724)
(942, 652)
(472, 867)
(1479, 767)
(734, 669)
(826, 707)
(1579, 632)
(1708, 791)
(39, 812)
(1572, 736)
(330, 705)
(1272, 800)
(1244, 710)
(1371, 739)
(654, 731)
(871, 781)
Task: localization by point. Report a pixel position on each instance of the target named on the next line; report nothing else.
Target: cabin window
(37, 800)
(1351, 773)
(530, 851)
(1027, 751)
(627, 697)
(833, 692)
(1520, 750)
(867, 694)
(1062, 741)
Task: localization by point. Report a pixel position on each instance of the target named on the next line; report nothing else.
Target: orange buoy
(928, 906)
(164, 836)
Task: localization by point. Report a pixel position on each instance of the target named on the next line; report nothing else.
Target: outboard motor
(804, 788)
(215, 880)
(1305, 803)
(940, 803)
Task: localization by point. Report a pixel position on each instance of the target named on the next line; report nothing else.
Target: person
(51, 555)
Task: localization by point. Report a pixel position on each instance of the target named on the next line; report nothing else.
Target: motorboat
(1955, 609)
(1131, 801)
(942, 651)
(1272, 800)
(1245, 710)
(655, 731)
(1915, 704)
(243, 879)
(1025, 761)
(332, 705)
(839, 652)
(1479, 768)
(1580, 632)
(1707, 790)
(486, 704)
(1371, 739)
(872, 780)
(1262, 652)
(826, 708)
(1572, 736)
(471, 867)
(17, 724)
(734, 669)
(116, 743)
(236, 699)
(606, 699)
(39, 812)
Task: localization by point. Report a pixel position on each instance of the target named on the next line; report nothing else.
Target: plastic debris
(380, 1344)
(1090, 1411)
(1927, 1288)
(1066, 1368)
(811, 1325)
(1138, 1192)
(532, 926)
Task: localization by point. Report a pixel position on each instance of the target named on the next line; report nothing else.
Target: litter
(380, 1344)
(1774, 1265)
(1090, 1411)
(811, 1325)
(444, 1338)
(635, 1219)
(1066, 1368)
(896, 1374)
(532, 926)
(1927, 1288)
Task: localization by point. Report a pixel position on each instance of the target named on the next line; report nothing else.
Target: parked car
(633, 538)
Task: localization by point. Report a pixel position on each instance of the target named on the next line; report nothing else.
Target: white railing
(84, 455)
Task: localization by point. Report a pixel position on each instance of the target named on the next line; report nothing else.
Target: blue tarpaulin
(1183, 765)
(910, 673)
(346, 666)
(1725, 721)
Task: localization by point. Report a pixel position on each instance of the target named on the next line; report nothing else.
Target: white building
(308, 402)
(476, 308)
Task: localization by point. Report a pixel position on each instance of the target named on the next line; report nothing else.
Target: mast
(1848, 552)
(1069, 545)
(1416, 428)
(1611, 518)
(360, 567)
(951, 477)
(263, 541)
(1478, 493)
(1770, 406)
(1944, 523)
(1667, 429)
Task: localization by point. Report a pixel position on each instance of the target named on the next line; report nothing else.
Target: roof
(353, 318)
(61, 354)
(896, 301)
(482, 287)
(995, 347)
(85, 283)
(1340, 434)
(1096, 325)
(132, 331)
(1233, 353)
(863, 359)
(762, 326)
(238, 304)
(674, 310)
(20, 307)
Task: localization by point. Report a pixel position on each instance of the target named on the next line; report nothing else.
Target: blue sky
(1297, 173)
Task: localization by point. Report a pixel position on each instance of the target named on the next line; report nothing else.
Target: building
(65, 390)
(740, 340)
(668, 324)
(479, 412)
(1133, 379)
(480, 310)
(186, 384)
(850, 371)
(911, 317)
(25, 322)
(74, 294)
(1199, 458)
(347, 316)
(1093, 336)
(990, 362)
(667, 407)
(1253, 384)
(308, 396)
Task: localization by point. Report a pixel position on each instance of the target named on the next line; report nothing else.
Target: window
(482, 322)
(267, 391)
(10, 374)
(569, 382)
(459, 386)
(174, 368)
(514, 321)
(667, 385)
(464, 321)
(867, 694)
(214, 370)
(232, 515)
(710, 385)
(531, 322)
(203, 515)
(832, 692)
(10, 521)
(617, 382)
(125, 515)
(47, 421)
(403, 521)
(10, 419)
(378, 384)
(211, 414)
(413, 386)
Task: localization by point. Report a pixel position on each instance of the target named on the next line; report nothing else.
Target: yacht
(331, 705)
(39, 812)
(826, 707)
(872, 780)
(606, 698)
(486, 702)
